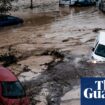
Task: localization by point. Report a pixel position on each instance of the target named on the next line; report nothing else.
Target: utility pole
(31, 5)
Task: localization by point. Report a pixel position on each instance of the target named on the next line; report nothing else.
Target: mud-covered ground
(49, 52)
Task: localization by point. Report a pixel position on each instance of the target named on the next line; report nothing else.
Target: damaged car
(98, 51)
(11, 90)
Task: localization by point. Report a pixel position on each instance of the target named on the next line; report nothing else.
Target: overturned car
(98, 51)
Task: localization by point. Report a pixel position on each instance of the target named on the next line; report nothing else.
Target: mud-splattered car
(11, 90)
(98, 51)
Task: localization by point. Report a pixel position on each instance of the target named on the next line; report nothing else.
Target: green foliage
(5, 6)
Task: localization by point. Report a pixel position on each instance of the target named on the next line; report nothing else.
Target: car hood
(98, 58)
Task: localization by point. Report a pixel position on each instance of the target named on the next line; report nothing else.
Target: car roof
(102, 37)
(6, 75)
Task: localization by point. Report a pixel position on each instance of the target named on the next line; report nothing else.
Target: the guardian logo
(92, 91)
(98, 93)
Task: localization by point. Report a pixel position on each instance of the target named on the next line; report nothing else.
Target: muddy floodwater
(50, 52)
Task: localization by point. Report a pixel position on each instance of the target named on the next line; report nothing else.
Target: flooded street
(50, 52)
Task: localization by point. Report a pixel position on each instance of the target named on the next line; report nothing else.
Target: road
(50, 52)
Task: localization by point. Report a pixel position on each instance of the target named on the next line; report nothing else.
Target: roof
(102, 37)
(6, 75)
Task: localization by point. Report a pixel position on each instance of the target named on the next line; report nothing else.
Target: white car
(98, 51)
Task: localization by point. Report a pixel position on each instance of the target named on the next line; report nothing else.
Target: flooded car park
(56, 46)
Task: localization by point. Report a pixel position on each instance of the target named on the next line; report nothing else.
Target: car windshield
(66, 0)
(100, 50)
(12, 89)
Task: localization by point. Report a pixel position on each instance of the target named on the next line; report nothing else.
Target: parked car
(11, 90)
(77, 2)
(101, 5)
(85, 2)
(67, 2)
(7, 20)
(98, 51)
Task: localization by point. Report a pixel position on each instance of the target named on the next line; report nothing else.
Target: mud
(52, 51)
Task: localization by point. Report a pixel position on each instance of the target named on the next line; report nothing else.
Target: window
(100, 50)
(12, 89)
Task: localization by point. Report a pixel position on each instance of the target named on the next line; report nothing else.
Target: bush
(5, 6)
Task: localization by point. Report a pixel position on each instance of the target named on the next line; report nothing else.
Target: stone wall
(39, 5)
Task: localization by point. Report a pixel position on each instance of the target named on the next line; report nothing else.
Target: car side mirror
(93, 49)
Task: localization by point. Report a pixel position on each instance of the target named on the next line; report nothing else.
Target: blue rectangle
(92, 91)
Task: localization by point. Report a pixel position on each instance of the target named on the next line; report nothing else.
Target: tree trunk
(31, 5)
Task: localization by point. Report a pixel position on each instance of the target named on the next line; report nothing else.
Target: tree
(5, 6)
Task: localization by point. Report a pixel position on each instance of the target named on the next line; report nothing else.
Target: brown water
(71, 30)
(69, 22)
